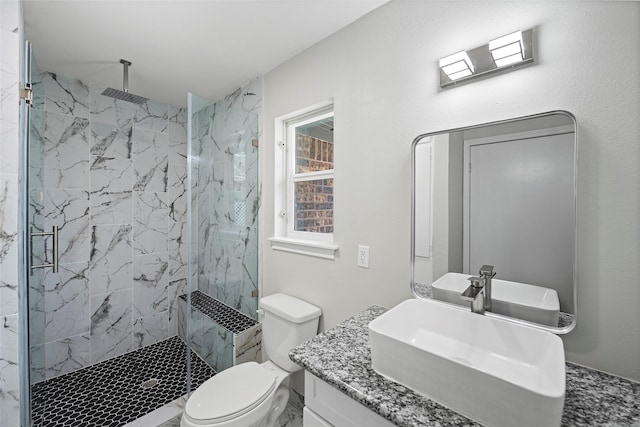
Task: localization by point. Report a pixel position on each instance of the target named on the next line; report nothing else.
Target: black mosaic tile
(110, 393)
(225, 316)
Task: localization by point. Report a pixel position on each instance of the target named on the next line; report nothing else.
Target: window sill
(304, 247)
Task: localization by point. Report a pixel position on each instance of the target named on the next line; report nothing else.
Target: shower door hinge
(255, 142)
(26, 93)
(254, 293)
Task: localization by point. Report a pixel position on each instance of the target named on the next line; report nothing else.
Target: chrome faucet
(479, 292)
(487, 273)
(475, 294)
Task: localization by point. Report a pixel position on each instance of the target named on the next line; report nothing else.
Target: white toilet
(252, 394)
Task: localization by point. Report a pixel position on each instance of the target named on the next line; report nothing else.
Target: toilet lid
(230, 393)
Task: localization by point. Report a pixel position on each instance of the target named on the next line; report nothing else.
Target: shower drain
(150, 383)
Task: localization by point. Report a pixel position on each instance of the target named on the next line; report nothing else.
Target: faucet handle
(487, 270)
(476, 282)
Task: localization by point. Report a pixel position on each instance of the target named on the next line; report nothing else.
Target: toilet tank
(287, 321)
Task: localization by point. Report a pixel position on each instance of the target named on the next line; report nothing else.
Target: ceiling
(207, 47)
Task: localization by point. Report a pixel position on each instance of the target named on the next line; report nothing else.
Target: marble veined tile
(37, 321)
(36, 148)
(8, 244)
(65, 155)
(252, 103)
(111, 195)
(111, 140)
(177, 123)
(111, 325)
(291, 417)
(152, 115)
(150, 329)
(105, 109)
(66, 301)
(150, 282)
(247, 345)
(150, 160)
(9, 375)
(111, 264)
(9, 96)
(10, 17)
(181, 312)
(69, 210)
(176, 288)
(9, 147)
(177, 250)
(178, 152)
(150, 224)
(167, 415)
(66, 96)
(9, 51)
(217, 345)
(67, 355)
(178, 192)
(38, 363)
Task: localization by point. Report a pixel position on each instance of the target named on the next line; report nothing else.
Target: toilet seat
(230, 394)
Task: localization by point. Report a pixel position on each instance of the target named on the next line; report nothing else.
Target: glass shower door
(35, 240)
(223, 207)
(224, 201)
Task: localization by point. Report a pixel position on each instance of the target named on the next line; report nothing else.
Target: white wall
(441, 212)
(382, 73)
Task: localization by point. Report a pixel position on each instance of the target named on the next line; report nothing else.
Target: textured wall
(112, 176)
(382, 73)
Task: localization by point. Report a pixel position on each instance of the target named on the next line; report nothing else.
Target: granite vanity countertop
(341, 357)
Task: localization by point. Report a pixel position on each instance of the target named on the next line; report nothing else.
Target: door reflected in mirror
(499, 194)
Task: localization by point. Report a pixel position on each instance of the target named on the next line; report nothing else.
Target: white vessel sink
(526, 302)
(495, 372)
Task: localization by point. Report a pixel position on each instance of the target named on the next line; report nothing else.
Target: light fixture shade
(507, 50)
(457, 66)
(500, 55)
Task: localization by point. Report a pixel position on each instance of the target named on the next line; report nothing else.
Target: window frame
(286, 238)
(293, 177)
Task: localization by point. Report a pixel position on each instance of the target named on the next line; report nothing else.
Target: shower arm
(125, 78)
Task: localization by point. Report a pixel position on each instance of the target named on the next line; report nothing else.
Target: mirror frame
(557, 330)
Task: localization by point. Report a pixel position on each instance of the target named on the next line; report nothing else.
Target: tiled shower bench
(219, 334)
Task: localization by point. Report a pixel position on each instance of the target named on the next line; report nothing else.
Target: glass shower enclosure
(86, 273)
(223, 228)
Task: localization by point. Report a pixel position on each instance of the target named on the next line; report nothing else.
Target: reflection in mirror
(500, 194)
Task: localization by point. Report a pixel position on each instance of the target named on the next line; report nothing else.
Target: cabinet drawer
(311, 419)
(336, 407)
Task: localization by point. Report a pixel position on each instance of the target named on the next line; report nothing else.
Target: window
(304, 205)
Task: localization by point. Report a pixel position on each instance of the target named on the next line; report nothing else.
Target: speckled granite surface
(341, 356)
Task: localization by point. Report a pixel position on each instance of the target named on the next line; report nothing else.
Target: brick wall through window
(313, 199)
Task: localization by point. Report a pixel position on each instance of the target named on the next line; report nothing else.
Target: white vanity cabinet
(325, 406)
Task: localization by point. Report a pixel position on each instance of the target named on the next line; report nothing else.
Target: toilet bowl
(240, 396)
(252, 394)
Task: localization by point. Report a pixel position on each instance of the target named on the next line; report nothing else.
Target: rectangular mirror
(501, 194)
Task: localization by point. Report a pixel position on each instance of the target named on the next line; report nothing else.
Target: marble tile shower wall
(111, 175)
(9, 363)
(227, 198)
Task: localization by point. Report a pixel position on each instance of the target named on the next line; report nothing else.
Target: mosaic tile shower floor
(110, 393)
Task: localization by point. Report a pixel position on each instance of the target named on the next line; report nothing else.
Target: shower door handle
(54, 235)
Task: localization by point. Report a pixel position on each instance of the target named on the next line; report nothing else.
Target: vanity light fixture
(499, 55)
(457, 66)
(507, 50)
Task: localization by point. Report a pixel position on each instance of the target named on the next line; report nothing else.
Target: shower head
(124, 94)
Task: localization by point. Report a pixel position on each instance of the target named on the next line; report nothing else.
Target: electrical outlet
(363, 256)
